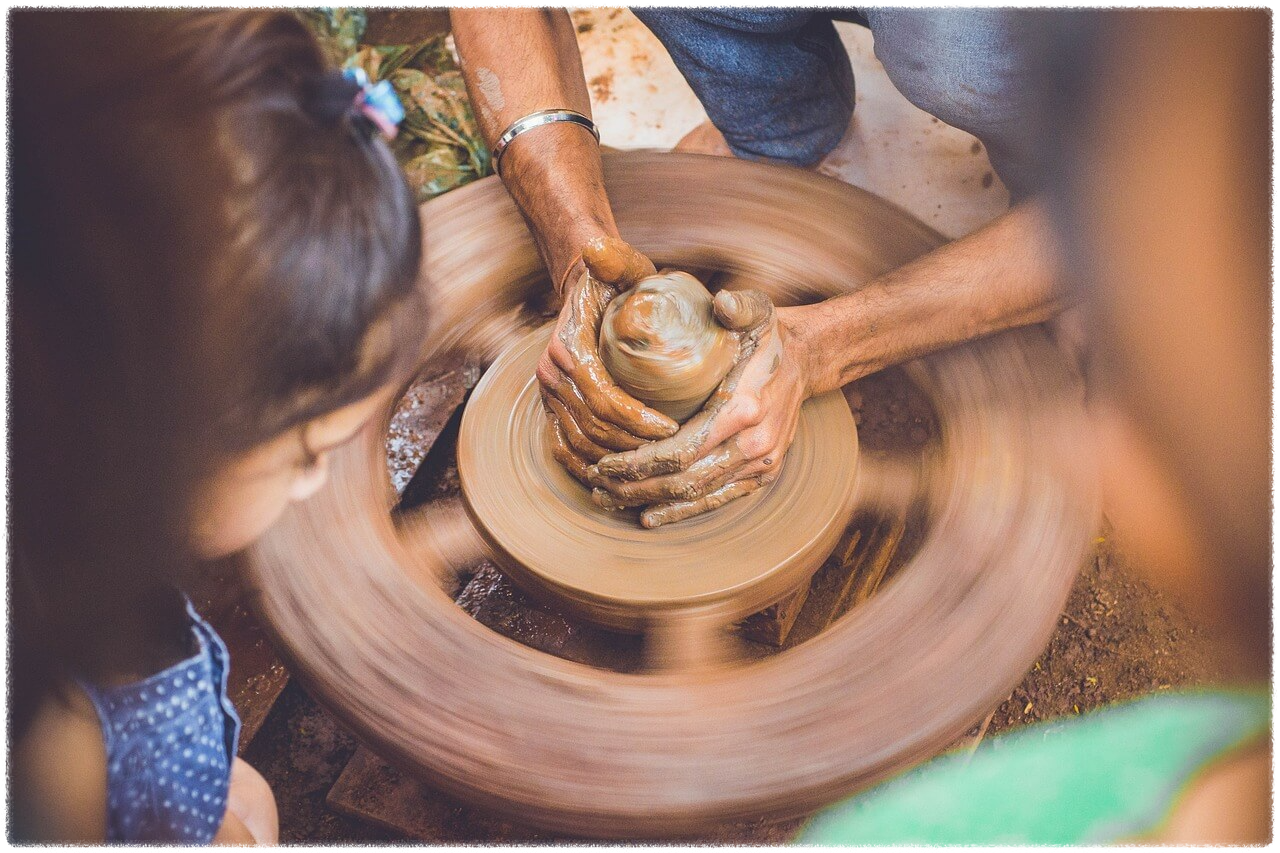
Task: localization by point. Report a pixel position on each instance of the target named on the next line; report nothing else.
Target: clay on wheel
(548, 535)
(661, 343)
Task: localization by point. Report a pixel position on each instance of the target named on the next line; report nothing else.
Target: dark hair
(205, 252)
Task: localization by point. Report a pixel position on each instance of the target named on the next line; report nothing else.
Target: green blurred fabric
(1106, 776)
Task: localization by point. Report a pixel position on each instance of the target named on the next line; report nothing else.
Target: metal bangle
(538, 119)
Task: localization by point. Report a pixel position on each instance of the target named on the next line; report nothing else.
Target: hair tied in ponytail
(330, 97)
(333, 94)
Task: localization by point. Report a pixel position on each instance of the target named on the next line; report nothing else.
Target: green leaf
(349, 26)
(405, 81)
(338, 30)
(436, 172)
(367, 58)
(393, 56)
(431, 56)
(439, 144)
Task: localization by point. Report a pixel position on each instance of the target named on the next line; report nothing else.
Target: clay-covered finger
(575, 351)
(742, 310)
(581, 316)
(613, 438)
(616, 262)
(660, 514)
(720, 466)
(563, 453)
(610, 403)
(603, 498)
(606, 501)
(572, 433)
(661, 457)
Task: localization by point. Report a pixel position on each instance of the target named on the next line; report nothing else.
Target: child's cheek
(235, 511)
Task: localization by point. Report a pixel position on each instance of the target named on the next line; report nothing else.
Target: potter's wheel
(547, 533)
(356, 599)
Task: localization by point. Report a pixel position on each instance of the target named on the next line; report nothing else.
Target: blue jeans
(777, 82)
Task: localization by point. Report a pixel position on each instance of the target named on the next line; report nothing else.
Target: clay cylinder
(662, 344)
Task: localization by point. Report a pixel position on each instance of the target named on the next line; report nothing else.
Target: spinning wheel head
(547, 533)
(590, 751)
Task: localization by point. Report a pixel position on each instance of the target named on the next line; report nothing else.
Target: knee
(730, 20)
(972, 69)
(250, 799)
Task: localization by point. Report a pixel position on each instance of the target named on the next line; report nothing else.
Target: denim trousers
(778, 84)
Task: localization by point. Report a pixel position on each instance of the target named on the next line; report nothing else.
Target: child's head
(214, 271)
(1170, 241)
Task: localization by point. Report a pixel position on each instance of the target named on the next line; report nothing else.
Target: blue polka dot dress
(171, 739)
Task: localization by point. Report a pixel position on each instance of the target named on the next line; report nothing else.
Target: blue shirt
(171, 739)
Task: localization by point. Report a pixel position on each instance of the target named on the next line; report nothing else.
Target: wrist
(798, 346)
(535, 121)
(561, 243)
(554, 175)
(539, 154)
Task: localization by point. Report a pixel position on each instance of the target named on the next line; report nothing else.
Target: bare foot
(704, 139)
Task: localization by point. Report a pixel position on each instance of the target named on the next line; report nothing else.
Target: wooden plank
(371, 789)
(865, 562)
(772, 625)
(257, 676)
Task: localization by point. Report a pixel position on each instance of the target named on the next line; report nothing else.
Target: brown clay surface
(661, 343)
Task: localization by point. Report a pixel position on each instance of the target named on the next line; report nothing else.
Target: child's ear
(310, 479)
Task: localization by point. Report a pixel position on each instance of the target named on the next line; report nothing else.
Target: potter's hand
(735, 444)
(590, 416)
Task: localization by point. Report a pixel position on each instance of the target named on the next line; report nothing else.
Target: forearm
(519, 61)
(998, 278)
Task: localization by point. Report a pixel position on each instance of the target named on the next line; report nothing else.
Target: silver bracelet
(538, 119)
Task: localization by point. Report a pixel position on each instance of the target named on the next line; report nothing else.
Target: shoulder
(59, 773)
(1229, 803)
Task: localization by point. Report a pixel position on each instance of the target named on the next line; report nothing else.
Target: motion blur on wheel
(744, 425)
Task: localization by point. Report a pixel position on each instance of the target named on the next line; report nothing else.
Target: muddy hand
(735, 444)
(589, 414)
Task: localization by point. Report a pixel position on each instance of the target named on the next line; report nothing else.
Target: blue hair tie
(377, 102)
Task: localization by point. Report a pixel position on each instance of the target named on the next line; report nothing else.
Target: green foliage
(439, 144)
(338, 30)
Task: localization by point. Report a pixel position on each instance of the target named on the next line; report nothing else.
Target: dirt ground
(1118, 637)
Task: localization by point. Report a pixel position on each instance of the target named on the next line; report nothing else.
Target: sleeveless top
(170, 739)
(1113, 775)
